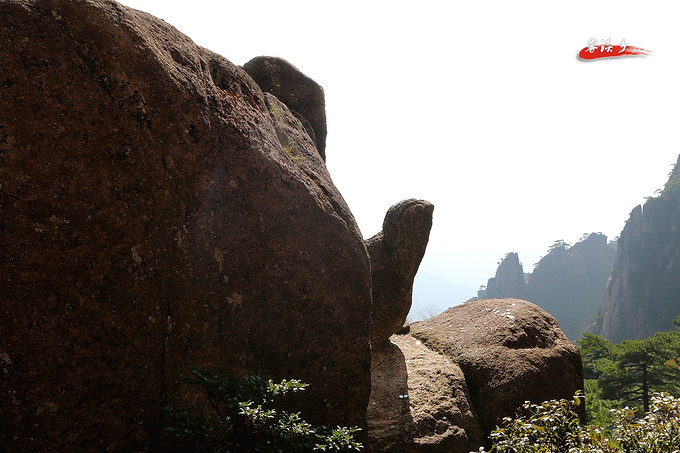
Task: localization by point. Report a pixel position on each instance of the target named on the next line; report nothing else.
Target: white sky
(482, 108)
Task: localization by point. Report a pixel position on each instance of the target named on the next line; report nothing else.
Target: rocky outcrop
(302, 95)
(509, 280)
(160, 210)
(569, 282)
(509, 351)
(643, 293)
(396, 253)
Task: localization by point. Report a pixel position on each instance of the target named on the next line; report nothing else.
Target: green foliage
(671, 187)
(243, 416)
(657, 432)
(640, 373)
(593, 350)
(630, 372)
(553, 426)
(599, 409)
(295, 157)
(559, 243)
(274, 110)
(550, 426)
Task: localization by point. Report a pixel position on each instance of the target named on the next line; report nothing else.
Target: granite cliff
(643, 293)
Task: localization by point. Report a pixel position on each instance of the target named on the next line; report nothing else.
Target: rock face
(509, 350)
(159, 210)
(302, 95)
(643, 293)
(396, 253)
(569, 282)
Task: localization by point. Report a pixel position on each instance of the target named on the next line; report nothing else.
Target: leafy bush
(553, 426)
(243, 417)
(657, 432)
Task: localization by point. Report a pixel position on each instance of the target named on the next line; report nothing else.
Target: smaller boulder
(419, 402)
(510, 351)
(396, 253)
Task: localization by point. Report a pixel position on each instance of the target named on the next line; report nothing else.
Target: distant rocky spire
(508, 282)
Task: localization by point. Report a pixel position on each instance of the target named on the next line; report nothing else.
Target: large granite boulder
(159, 210)
(302, 95)
(396, 253)
(509, 350)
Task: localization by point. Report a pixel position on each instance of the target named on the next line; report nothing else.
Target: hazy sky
(482, 108)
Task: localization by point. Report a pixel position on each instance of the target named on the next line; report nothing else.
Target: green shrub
(599, 410)
(657, 432)
(553, 427)
(243, 417)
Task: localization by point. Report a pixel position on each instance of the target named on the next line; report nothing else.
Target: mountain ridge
(568, 282)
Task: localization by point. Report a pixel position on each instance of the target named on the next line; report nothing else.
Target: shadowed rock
(396, 253)
(159, 210)
(302, 95)
(419, 402)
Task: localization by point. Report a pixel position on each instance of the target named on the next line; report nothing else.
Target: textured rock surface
(395, 254)
(419, 401)
(643, 293)
(301, 94)
(509, 350)
(390, 424)
(158, 212)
